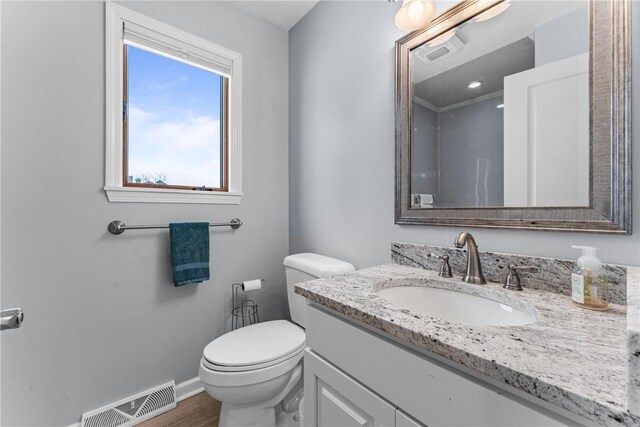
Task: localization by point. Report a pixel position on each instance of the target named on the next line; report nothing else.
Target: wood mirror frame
(609, 209)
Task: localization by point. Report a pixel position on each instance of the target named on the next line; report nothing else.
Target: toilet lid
(255, 344)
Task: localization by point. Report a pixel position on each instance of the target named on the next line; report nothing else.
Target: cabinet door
(334, 399)
(404, 420)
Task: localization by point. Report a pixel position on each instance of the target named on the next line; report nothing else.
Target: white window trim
(115, 17)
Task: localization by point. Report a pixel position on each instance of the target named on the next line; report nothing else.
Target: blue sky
(174, 120)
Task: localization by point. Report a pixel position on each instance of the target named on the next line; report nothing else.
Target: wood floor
(200, 410)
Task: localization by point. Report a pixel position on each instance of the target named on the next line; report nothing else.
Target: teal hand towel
(189, 252)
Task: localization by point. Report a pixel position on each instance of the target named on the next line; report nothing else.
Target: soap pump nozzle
(588, 258)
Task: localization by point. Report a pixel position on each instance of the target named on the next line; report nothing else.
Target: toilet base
(284, 419)
(265, 413)
(247, 417)
(257, 417)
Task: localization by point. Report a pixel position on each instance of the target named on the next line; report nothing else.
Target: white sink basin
(455, 306)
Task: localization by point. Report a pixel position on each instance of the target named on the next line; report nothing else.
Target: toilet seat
(224, 368)
(218, 378)
(254, 347)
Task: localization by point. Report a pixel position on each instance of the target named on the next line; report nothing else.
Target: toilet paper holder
(244, 311)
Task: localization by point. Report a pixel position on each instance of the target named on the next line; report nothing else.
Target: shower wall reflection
(459, 154)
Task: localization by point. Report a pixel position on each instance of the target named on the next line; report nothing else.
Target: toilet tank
(304, 267)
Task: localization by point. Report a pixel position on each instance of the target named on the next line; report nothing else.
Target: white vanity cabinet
(339, 400)
(357, 377)
(405, 420)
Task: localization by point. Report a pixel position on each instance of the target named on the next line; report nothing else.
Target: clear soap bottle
(589, 281)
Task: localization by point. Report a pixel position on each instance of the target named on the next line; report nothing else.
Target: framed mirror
(517, 114)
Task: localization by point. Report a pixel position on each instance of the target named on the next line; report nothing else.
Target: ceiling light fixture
(473, 85)
(500, 106)
(442, 38)
(415, 14)
(493, 12)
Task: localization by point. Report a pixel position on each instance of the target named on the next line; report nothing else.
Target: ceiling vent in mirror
(429, 54)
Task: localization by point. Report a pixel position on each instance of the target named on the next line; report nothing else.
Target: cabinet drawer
(333, 399)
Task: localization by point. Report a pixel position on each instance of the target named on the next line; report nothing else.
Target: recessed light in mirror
(500, 106)
(473, 85)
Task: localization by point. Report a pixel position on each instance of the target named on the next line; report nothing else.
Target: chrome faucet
(445, 268)
(512, 279)
(474, 269)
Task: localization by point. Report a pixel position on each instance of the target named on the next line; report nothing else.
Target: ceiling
(516, 23)
(483, 52)
(285, 14)
(450, 88)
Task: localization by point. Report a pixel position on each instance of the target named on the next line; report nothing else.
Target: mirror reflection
(500, 111)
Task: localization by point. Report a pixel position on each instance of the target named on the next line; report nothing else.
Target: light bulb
(415, 10)
(493, 12)
(415, 14)
(442, 38)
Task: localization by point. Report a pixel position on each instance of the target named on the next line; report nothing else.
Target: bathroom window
(174, 123)
(173, 114)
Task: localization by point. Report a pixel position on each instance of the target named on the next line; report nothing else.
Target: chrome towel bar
(119, 227)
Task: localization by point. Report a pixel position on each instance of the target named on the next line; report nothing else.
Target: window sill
(152, 195)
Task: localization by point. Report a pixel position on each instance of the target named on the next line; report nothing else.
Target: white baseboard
(184, 390)
(188, 388)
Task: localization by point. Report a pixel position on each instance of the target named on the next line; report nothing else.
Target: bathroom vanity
(370, 361)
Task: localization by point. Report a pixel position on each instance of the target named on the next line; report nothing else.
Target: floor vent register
(134, 409)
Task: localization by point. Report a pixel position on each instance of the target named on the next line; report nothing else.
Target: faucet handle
(512, 279)
(445, 268)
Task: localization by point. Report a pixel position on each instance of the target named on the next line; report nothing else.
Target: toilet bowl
(252, 369)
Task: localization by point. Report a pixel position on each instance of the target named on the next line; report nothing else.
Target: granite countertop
(574, 358)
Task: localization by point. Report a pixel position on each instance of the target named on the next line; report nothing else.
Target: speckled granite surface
(573, 358)
(633, 338)
(554, 275)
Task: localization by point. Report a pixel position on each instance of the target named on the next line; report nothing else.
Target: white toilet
(251, 370)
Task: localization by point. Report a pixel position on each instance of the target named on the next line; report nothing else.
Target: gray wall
(471, 155)
(562, 37)
(103, 319)
(424, 150)
(342, 147)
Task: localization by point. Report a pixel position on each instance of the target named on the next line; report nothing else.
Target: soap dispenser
(588, 281)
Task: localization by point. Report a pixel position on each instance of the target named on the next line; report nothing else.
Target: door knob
(11, 318)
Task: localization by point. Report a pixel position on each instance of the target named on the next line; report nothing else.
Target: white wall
(102, 318)
(563, 37)
(342, 147)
